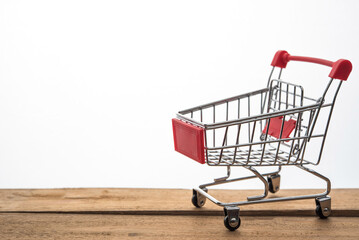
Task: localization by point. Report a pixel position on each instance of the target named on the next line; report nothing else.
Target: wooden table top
(169, 214)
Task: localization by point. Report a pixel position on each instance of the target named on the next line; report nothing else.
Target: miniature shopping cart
(273, 126)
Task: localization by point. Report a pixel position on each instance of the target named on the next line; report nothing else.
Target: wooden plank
(96, 226)
(345, 202)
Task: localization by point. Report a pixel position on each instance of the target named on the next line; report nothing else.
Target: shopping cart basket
(272, 126)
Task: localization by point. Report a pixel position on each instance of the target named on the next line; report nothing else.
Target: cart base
(231, 210)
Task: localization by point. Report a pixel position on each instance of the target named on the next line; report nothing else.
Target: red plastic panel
(340, 69)
(189, 140)
(276, 124)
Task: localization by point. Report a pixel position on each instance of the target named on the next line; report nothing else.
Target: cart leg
(222, 179)
(278, 171)
(232, 220)
(323, 209)
(219, 181)
(266, 185)
(319, 176)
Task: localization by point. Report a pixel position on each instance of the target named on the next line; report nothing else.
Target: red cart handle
(340, 69)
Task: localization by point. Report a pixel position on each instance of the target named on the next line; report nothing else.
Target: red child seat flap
(275, 127)
(189, 140)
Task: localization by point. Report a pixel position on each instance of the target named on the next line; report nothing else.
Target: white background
(88, 88)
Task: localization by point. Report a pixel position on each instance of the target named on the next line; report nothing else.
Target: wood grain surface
(98, 226)
(168, 214)
(345, 202)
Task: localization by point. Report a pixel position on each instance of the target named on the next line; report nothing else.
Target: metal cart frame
(286, 120)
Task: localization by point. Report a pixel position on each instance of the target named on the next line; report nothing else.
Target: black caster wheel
(274, 183)
(232, 225)
(198, 200)
(323, 208)
(232, 221)
(319, 212)
(270, 185)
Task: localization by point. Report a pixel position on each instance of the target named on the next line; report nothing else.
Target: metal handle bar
(340, 69)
